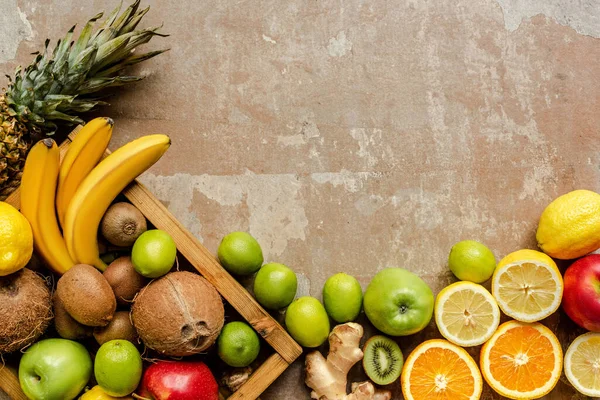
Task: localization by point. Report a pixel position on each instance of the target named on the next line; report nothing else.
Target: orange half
(438, 369)
(521, 360)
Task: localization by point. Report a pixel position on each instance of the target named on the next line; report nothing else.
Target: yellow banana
(99, 189)
(83, 154)
(38, 190)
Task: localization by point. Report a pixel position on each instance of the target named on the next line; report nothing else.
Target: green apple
(398, 302)
(55, 369)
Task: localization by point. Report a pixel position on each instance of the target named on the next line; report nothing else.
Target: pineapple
(58, 86)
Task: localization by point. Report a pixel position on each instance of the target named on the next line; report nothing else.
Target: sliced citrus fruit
(466, 314)
(527, 285)
(521, 360)
(438, 369)
(582, 364)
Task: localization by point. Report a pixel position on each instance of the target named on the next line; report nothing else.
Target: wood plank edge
(9, 383)
(262, 378)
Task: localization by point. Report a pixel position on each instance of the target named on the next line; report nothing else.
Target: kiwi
(382, 360)
(122, 224)
(65, 325)
(124, 279)
(25, 310)
(119, 328)
(87, 295)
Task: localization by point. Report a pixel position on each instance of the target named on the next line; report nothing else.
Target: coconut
(179, 314)
(26, 309)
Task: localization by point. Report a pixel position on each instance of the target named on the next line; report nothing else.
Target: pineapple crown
(58, 86)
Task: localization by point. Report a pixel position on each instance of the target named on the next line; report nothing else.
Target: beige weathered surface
(354, 135)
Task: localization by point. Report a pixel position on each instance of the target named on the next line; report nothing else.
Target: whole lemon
(570, 226)
(16, 240)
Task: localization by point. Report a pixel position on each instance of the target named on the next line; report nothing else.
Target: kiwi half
(382, 360)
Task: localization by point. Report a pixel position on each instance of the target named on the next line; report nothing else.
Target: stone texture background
(354, 135)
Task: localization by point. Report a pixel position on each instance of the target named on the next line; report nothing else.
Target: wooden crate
(286, 350)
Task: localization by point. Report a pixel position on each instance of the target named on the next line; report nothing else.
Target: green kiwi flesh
(382, 360)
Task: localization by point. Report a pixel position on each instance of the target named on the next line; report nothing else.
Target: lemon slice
(527, 285)
(582, 364)
(466, 314)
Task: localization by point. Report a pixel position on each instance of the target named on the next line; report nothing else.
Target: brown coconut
(25, 311)
(179, 314)
(87, 295)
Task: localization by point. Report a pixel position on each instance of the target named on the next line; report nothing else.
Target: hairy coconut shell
(87, 296)
(125, 281)
(65, 325)
(179, 314)
(25, 311)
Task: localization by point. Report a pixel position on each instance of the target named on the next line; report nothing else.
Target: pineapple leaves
(59, 83)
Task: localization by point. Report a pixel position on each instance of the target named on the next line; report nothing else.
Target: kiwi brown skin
(87, 295)
(125, 281)
(179, 314)
(65, 325)
(25, 309)
(122, 224)
(119, 328)
(381, 346)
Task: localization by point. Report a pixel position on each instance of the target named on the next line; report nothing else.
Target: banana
(38, 190)
(83, 154)
(99, 189)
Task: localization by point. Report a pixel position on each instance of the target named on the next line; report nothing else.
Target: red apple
(581, 298)
(178, 380)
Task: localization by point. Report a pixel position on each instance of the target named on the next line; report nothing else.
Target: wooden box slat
(286, 349)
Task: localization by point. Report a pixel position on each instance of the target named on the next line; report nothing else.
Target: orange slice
(438, 369)
(521, 360)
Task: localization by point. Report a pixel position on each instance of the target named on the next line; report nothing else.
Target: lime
(240, 253)
(238, 344)
(153, 253)
(118, 367)
(307, 322)
(342, 297)
(471, 261)
(275, 286)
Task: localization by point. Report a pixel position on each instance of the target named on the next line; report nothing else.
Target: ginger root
(327, 377)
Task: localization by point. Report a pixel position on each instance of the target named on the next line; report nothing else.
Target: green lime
(307, 322)
(342, 297)
(240, 253)
(238, 344)
(118, 367)
(275, 286)
(471, 261)
(153, 253)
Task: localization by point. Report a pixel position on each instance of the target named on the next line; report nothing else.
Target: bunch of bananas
(79, 190)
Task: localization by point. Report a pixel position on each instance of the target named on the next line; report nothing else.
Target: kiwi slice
(383, 360)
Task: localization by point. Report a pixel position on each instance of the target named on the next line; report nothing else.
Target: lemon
(570, 226)
(527, 285)
(16, 240)
(240, 253)
(238, 344)
(307, 321)
(581, 364)
(118, 367)
(466, 314)
(471, 261)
